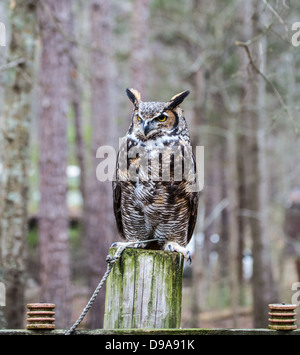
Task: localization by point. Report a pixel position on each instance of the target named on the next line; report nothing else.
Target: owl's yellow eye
(139, 118)
(162, 118)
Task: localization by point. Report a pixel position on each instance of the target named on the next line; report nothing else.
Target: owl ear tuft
(176, 100)
(134, 96)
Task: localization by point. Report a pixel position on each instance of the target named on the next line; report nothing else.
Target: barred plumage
(154, 194)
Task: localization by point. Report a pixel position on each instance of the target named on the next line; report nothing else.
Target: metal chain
(110, 261)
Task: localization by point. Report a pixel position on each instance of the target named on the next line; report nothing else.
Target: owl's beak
(147, 127)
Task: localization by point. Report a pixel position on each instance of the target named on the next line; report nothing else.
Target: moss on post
(144, 290)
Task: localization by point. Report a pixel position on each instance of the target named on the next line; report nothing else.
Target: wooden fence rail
(154, 332)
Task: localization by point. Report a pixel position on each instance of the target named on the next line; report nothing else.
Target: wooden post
(144, 290)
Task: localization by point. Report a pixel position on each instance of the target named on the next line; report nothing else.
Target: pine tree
(54, 22)
(15, 157)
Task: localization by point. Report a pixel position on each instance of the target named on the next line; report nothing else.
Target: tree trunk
(76, 98)
(244, 16)
(263, 284)
(139, 44)
(15, 158)
(232, 188)
(200, 90)
(54, 20)
(98, 213)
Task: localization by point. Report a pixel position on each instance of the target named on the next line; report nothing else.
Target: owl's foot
(173, 246)
(134, 244)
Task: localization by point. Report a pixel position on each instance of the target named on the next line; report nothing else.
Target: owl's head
(154, 119)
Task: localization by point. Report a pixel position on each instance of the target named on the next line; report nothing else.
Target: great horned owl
(155, 174)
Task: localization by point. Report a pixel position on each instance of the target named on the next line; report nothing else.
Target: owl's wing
(193, 214)
(117, 193)
(194, 201)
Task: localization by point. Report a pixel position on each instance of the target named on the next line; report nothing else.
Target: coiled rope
(110, 263)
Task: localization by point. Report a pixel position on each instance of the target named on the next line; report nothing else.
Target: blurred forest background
(63, 76)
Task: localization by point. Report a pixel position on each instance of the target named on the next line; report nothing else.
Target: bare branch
(216, 212)
(267, 80)
(276, 14)
(12, 64)
(64, 34)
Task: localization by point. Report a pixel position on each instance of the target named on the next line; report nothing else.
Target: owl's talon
(173, 246)
(189, 258)
(133, 244)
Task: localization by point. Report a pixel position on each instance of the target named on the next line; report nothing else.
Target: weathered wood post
(144, 290)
